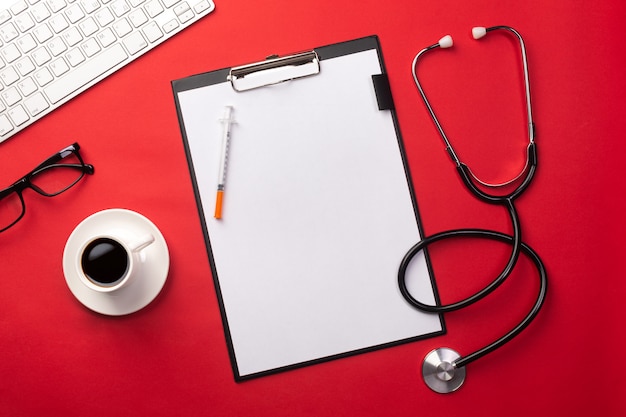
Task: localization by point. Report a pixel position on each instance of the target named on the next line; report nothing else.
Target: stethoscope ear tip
(445, 42)
(478, 32)
(440, 372)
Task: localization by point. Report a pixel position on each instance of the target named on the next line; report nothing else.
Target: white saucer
(155, 262)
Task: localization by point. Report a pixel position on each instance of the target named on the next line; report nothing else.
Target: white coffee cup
(107, 262)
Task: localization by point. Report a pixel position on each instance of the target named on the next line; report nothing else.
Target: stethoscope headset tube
(443, 369)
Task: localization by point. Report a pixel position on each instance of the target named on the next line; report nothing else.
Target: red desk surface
(59, 358)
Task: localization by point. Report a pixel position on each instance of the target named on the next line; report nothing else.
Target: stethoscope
(443, 369)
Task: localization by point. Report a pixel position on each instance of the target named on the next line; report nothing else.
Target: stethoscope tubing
(506, 200)
(531, 168)
(541, 296)
(486, 234)
(516, 238)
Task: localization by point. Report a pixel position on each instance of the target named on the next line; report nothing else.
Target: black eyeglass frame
(25, 182)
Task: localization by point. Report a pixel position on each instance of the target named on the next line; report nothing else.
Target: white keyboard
(52, 50)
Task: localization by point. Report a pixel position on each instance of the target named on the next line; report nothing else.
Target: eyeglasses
(50, 178)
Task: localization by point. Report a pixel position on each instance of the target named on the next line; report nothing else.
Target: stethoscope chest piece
(440, 373)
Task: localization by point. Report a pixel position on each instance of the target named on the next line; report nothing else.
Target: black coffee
(104, 261)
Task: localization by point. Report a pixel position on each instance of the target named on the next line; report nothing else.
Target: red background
(59, 358)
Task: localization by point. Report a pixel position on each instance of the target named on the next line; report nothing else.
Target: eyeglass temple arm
(6, 192)
(63, 153)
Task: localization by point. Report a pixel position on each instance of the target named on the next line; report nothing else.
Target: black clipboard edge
(221, 75)
(243, 378)
(188, 84)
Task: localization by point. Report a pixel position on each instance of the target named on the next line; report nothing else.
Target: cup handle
(142, 243)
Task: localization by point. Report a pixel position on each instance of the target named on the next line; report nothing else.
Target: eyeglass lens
(11, 209)
(55, 178)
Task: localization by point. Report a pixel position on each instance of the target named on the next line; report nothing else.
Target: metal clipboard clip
(274, 70)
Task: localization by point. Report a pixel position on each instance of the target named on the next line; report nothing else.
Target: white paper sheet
(317, 216)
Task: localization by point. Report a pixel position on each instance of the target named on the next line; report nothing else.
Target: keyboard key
(120, 7)
(88, 26)
(86, 73)
(106, 37)
(137, 18)
(90, 6)
(11, 96)
(181, 8)
(56, 5)
(154, 8)
(43, 77)
(9, 76)
(152, 32)
(19, 7)
(135, 42)
(56, 46)
(58, 23)
(74, 13)
(18, 115)
(90, 47)
(5, 125)
(170, 26)
(24, 22)
(25, 66)
(10, 53)
(27, 43)
(186, 16)
(202, 6)
(104, 16)
(8, 32)
(75, 57)
(27, 86)
(41, 56)
(42, 33)
(122, 27)
(40, 12)
(59, 67)
(72, 36)
(36, 104)
(5, 15)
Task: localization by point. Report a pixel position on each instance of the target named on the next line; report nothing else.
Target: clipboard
(318, 209)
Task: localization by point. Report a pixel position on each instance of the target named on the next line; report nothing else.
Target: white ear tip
(445, 42)
(478, 32)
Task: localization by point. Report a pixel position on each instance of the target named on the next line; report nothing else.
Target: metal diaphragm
(440, 373)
